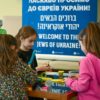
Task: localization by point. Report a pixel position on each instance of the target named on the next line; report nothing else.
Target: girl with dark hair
(14, 75)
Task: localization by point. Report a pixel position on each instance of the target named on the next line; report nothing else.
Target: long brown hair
(82, 36)
(8, 56)
(25, 32)
(91, 39)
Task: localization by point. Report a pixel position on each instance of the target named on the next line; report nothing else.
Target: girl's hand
(45, 67)
(74, 77)
(65, 79)
(77, 75)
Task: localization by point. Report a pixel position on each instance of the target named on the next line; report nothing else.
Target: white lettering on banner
(43, 8)
(57, 44)
(48, 8)
(50, 26)
(73, 37)
(72, 26)
(59, 8)
(67, 18)
(57, 36)
(61, 1)
(75, 8)
(42, 1)
(42, 44)
(48, 17)
(32, 8)
(67, 45)
(50, 36)
(51, 44)
(66, 36)
(69, 1)
(58, 18)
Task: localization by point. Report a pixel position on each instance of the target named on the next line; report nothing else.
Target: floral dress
(12, 87)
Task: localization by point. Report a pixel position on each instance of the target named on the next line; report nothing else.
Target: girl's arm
(82, 83)
(43, 67)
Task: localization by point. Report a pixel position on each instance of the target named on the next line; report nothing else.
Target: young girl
(14, 75)
(88, 83)
(26, 38)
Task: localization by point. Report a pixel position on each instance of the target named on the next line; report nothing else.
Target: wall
(99, 10)
(10, 8)
(10, 13)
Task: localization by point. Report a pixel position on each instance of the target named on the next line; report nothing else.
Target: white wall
(10, 8)
(12, 24)
(10, 13)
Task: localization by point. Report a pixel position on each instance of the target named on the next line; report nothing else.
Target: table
(52, 96)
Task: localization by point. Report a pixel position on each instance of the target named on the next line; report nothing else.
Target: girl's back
(12, 87)
(88, 85)
(14, 74)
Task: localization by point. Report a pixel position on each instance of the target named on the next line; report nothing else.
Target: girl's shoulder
(89, 59)
(20, 64)
(25, 52)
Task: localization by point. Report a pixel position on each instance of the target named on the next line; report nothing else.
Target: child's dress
(12, 87)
